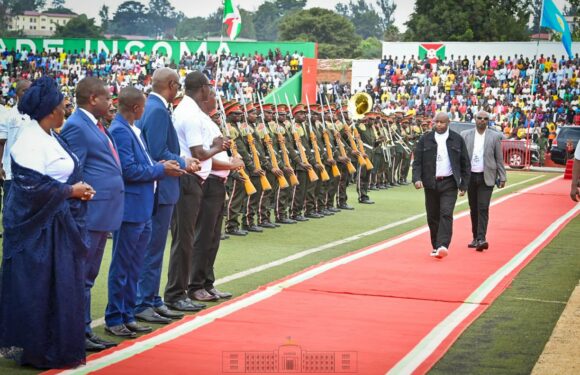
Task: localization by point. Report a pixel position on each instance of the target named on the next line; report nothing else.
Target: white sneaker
(441, 253)
(433, 253)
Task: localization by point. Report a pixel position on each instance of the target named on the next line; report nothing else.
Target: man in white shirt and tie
(487, 170)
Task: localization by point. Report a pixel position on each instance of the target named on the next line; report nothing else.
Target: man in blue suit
(161, 138)
(101, 168)
(129, 242)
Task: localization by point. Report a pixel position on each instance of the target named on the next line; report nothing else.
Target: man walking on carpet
(442, 167)
(487, 169)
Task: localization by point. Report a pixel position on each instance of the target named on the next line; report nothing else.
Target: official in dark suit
(441, 166)
(101, 168)
(130, 241)
(161, 138)
(487, 169)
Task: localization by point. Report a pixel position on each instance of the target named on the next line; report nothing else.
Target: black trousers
(207, 234)
(183, 234)
(479, 195)
(440, 203)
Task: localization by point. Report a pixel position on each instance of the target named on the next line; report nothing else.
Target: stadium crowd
(237, 74)
(462, 86)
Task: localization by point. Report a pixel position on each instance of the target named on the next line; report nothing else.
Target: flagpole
(537, 50)
(218, 51)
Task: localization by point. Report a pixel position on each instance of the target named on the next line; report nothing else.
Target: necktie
(111, 146)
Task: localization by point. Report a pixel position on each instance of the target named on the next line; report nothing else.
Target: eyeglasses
(482, 118)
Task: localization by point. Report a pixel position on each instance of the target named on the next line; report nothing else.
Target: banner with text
(174, 49)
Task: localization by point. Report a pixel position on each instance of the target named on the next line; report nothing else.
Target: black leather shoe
(183, 305)
(367, 201)
(314, 215)
(253, 228)
(237, 232)
(219, 294)
(204, 296)
(482, 245)
(166, 313)
(97, 340)
(299, 218)
(472, 244)
(346, 207)
(150, 316)
(91, 346)
(120, 331)
(333, 210)
(138, 328)
(267, 225)
(325, 212)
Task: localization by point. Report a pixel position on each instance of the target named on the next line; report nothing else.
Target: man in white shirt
(441, 166)
(195, 140)
(487, 170)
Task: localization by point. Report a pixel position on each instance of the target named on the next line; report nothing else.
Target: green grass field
(241, 254)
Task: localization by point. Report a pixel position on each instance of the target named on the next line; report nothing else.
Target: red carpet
(388, 307)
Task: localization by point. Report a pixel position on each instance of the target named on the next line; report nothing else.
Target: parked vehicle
(564, 145)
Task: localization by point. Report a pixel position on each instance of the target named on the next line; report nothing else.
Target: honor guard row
(300, 159)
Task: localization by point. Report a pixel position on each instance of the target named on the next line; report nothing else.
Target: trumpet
(359, 104)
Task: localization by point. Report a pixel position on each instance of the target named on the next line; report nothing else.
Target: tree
(392, 34)
(79, 27)
(131, 18)
(334, 33)
(468, 20)
(285, 6)
(162, 16)
(366, 20)
(104, 16)
(20, 6)
(57, 3)
(267, 18)
(370, 48)
(57, 6)
(192, 28)
(387, 13)
(248, 28)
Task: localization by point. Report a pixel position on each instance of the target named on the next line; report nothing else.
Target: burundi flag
(433, 51)
(232, 19)
(553, 19)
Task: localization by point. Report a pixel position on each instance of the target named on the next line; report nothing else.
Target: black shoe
(150, 316)
(237, 232)
(267, 225)
(325, 213)
(120, 331)
(373, 188)
(286, 221)
(346, 207)
(138, 328)
(91, 346)
(333, 209)
(97, 340)
(219, 294)
(472, 244)
(366, 201)
(253, 228)
(314, 215)
(299, 218)
(183, 305)
(482, 245)
(166, 313)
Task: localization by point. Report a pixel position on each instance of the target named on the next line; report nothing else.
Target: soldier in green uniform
(235, 184)
(341, 122)
(315, 197)
(330, 162)
(298, 132)
(365, 131)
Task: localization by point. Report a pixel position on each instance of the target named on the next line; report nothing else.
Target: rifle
(282, 142)
(248, 186)
(326, 137)
(323, 173)
(311, 173)
(263, 179)
(351, 169)
(361, 146)
(282, 182)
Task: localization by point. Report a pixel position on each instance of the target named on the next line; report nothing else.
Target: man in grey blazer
(487, 170)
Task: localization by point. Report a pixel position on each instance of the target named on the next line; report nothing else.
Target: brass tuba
(359, 104)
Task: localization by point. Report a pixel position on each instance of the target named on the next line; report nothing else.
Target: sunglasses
(482, 118)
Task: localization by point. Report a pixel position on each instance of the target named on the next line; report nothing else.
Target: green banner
(174, 49)
(291, 89)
